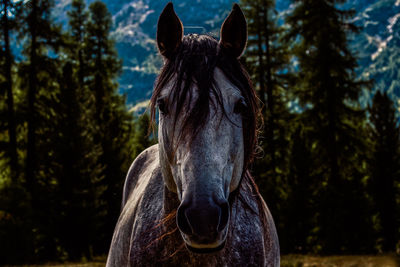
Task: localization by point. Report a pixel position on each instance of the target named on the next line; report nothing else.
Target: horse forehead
(227, 88)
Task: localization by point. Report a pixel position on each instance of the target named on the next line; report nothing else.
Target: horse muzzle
(203, 224)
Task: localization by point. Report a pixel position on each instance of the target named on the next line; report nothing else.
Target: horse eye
(240, 107)
(161, 106)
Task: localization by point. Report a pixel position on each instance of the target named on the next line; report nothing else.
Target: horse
(190, 199)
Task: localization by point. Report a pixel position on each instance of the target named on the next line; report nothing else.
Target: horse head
(207, 124)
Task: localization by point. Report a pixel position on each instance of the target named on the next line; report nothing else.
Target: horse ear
(169, 31)
(234, 32)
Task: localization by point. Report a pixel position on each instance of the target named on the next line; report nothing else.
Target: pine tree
(8, 26)
(77, 169)
(300, 204)
(78, 17)
(142, 138)
(114, 123)
(267, 59)
(385, 168)
(78, 141)
(328, 92)
(15, 220)
(79, 176)
(40, 35)
(38, 79)
(101, 56)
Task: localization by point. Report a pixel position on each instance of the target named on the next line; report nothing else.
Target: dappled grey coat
(143, 238)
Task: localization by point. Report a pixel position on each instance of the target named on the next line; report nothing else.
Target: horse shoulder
(272, 241)
(141, 164)
(256, 226)
(143, 175)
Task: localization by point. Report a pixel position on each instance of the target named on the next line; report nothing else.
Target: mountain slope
(135, 29)
(377, 45)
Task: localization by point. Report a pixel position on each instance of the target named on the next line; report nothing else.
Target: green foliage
(328, 92)
(38, 74)
(9, 25)
(314, 169)
(385, 169)
(74, 135)
(268, 62)
(114, 123)
(142, 137)
(297, 233)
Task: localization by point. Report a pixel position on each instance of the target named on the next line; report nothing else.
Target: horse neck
(169, 228)
(171, 202)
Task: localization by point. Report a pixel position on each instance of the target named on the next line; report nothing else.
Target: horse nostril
(181, 219)
(224, 216)
(204, 220)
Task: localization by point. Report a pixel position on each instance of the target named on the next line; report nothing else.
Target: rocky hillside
(135, 29)
(377, 45)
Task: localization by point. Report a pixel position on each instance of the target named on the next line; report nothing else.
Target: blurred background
(75, 81)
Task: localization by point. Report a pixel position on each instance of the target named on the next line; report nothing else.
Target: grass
(340, 261)
(286, 261)
(96, 262)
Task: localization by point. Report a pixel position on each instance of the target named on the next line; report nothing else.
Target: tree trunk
(260, 63)
(31, 146)
(12, 131)
(270, 97)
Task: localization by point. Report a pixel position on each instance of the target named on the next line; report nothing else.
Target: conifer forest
(328, 165)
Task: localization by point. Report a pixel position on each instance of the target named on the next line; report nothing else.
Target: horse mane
(194, 62)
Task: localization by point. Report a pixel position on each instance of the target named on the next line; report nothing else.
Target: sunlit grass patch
(340, 261)
(96, 262)
(293, 260)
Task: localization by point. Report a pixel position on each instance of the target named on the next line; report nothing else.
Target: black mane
(194, 62)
